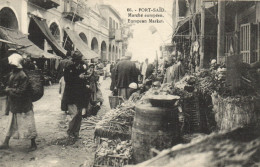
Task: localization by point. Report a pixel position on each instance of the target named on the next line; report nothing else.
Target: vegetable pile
(116, 123)
(114, 153)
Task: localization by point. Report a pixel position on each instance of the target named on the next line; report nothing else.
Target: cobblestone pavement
(54, 149)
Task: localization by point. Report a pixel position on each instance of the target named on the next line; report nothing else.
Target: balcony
(118, 35)
(46, 4)
(112, 34)
(73, 11)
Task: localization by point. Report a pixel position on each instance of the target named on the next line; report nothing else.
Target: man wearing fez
(125, 74)
(75, 93)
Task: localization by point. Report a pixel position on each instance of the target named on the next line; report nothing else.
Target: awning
(181, 23)
(23, 44)
(80, 45)
(57, 48)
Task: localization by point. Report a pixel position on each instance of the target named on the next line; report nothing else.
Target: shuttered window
(248, 42)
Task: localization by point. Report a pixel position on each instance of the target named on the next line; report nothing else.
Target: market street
(51, 124)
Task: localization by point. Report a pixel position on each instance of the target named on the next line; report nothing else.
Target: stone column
(24, 17)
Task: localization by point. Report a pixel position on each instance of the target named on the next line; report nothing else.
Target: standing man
(75, 93)
(125, 73)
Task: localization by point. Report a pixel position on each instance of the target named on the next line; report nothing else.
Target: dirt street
(54, 150)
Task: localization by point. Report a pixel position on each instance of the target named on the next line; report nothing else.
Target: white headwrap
(16, 60)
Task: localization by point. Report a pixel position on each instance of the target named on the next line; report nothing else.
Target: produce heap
(116, 123)
(113, 152)
(113, 134)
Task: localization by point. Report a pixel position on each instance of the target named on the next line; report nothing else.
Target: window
(114, 26)
(248, 41)
(110, 23)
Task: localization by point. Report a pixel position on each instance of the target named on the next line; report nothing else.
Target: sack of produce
(36, 80)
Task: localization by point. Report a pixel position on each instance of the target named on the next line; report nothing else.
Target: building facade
(115, 32)
(219, 27)
(92, 23)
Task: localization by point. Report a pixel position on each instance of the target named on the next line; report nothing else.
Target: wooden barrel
(153, 127)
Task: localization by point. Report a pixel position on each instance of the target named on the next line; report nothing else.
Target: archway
(113, 53)
(83, 37)
(36, 35)
(55, 31)
(103, 51)
(116, 54)
(8, 18)
(94, 45)
(109, 54)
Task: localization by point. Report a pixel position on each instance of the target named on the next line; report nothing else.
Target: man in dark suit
(125, 73)
(75, 95)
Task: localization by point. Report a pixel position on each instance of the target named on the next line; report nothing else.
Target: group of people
(79, 89)
(80, 92)
(127, 75)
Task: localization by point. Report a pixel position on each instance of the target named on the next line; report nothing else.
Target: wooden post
(236, 40)
(221, 32)
(202, 34)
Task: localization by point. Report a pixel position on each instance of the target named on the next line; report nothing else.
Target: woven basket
(114, 101)
(36, 81)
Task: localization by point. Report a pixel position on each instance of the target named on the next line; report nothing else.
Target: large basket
(114, 101)
(191, 108)
(37, 81)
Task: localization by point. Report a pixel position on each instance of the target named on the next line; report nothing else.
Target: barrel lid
(149, 107)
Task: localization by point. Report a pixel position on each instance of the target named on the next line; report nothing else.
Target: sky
(145, 44)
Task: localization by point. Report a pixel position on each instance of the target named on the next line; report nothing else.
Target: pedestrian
(112, 66)
(125, 73)
(108, 73)
(113, 79)
(93, 79)
(64, 106)
(28, 63)
(75, 93)
(149, 70)
(21, 123)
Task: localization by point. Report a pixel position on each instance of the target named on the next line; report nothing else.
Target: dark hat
(76, 56)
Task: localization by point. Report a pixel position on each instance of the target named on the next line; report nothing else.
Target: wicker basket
(115, 101)
(192, 111)
(37, 81)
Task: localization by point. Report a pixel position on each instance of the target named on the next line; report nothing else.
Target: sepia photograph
(129, 83)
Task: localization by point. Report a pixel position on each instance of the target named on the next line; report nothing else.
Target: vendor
(134, 92)
(175, 72)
